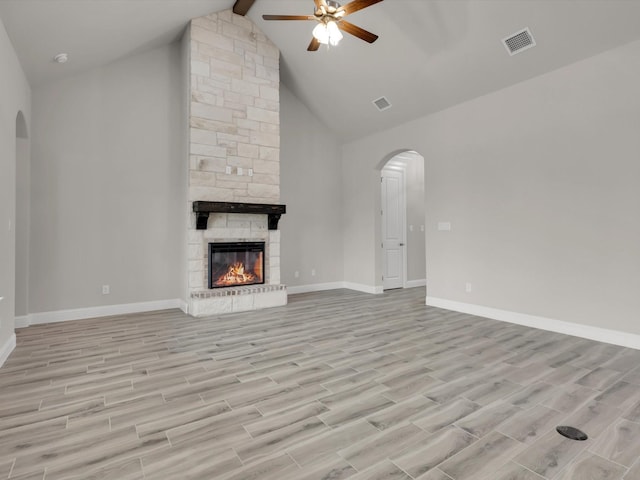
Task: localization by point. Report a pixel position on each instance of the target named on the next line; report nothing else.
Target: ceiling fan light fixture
(327, 33)
(330, 17)
(321, 33)
(335, 35)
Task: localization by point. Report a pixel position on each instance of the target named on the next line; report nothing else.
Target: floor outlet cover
(571, 432)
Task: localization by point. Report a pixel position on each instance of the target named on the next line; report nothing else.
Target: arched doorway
(402, 221)
(22, 215)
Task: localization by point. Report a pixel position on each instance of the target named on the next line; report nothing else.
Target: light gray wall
(23, 217)
(414, 162)
(540, 183)
(310, 186)
(183, 177)
(107, 195)
(15, 96)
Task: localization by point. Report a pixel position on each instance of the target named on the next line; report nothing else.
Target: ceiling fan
(330, 17)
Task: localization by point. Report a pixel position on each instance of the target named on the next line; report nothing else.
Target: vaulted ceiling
(431, 54)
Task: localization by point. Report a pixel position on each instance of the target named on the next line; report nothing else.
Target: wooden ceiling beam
(241, 7)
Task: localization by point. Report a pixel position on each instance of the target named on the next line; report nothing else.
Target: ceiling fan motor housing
(332, 6)
(330, 11)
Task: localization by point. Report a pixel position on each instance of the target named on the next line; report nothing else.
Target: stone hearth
(234, 227)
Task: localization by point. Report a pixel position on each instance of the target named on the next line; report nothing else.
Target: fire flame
(235, 275)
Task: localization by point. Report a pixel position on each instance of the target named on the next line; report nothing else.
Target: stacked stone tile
(234, 122)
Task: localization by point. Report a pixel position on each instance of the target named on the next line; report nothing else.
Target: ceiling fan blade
(314, 45)
(288, 17)
(357, 5)
(241, 7)
(319, 3)
(357, 31)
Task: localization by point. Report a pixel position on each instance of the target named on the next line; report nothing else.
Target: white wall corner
(7, 348)
(614, 337)
(184, 306)
(22, 321)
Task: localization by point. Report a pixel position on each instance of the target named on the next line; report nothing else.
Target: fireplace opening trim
(257, 249)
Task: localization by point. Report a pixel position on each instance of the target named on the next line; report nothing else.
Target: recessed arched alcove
(21, 126)
(409, 166)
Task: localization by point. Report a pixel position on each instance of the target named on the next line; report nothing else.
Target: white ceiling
(431, 54)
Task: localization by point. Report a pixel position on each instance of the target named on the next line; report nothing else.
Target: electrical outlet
(296, 274)
(444, 226)
(411, 228)
(106, 289)
(313, 272)
(422, 228)
(239, 171)
(227, 170)
(250, 172)
(468, 287)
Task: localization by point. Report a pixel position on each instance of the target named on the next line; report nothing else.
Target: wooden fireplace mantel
(203, 209)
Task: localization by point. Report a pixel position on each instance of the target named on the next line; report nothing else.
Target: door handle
(402, 244)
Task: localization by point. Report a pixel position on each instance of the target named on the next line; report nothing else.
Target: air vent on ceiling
(382, 103)
(519, 41)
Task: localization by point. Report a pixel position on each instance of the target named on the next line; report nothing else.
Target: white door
(393, 235)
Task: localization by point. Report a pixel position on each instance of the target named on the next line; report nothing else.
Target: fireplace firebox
(232, 264)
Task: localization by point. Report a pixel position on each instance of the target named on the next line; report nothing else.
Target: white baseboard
(614, 337)
(7, 348)
(416, 283)
(314, 287)
(94, 312)
(319, 287)
(377, 289)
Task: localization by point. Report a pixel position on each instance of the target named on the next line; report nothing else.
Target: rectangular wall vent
(382, 103)
(519, 41)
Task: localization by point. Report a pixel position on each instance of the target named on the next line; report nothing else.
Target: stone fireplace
(234, 160)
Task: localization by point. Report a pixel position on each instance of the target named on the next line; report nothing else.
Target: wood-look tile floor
(335, 385)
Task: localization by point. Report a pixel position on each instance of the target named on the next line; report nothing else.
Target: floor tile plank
(434, 450)
(481, 458)
(335, 385)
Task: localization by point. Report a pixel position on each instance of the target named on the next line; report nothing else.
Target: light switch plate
(444, 226)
